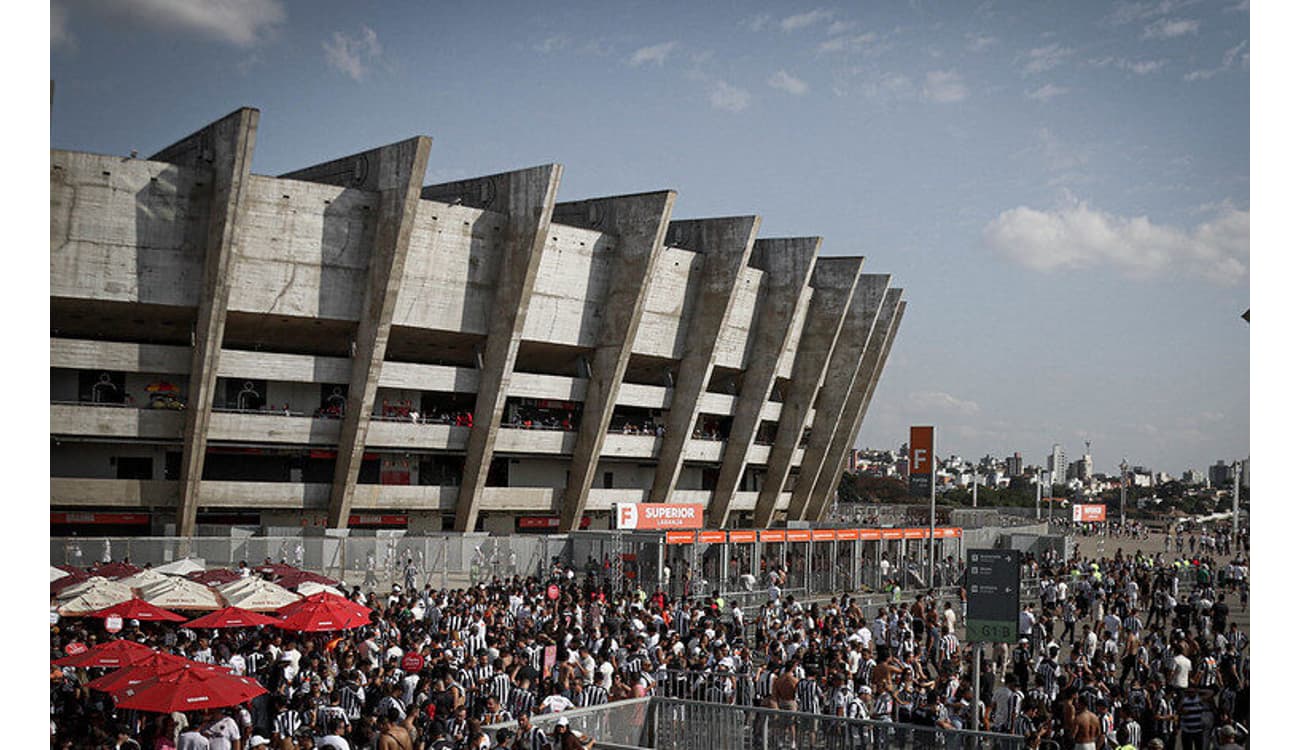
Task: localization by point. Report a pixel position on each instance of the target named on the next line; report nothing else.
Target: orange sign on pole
(920, 461)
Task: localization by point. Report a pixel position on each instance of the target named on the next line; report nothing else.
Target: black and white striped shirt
(288, 722)
(593, 695)
(353, 700)
(522, 701)
(809, 694)
(499, 688)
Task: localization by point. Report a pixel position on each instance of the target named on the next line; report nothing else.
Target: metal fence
(741, 572)
(678, 724)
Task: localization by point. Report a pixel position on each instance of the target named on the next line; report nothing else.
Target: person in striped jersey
(809, 694)
(522, 700)
(593, 695)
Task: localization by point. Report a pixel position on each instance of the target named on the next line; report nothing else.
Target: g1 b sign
(993, 595)
(920, 461)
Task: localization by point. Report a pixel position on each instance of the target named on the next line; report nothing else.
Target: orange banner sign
(823, 535)
(771, 535)
(846, 535)
(1089, 513)
(679, 537)
(711, 537)
(743, 537)
(657, 516)
(798, 535)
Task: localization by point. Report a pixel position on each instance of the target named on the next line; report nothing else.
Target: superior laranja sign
(657, 516)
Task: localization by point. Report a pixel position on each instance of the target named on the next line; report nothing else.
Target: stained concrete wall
(127, 230)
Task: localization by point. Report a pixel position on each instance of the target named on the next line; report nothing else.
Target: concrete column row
(841, 369)
(855, 407)
(838, 320)
(833, 282)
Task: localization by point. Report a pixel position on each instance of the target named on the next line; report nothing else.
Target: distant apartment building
(1057, 465)
(1015, 465)
(1221, 474)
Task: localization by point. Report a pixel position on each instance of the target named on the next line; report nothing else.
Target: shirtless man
(392, 735)
(783, 689)
(1087, 727)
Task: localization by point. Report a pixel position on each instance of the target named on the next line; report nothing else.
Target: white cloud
(944, 402)
(943, 86)
(1077, 237)
(1170, 28)
(728, 98)
(239, 22)
(1046, 92)
(804, 20)
(979, 42)
(1138, 67)
(856, 43)
(1043, 59)
(840, 27)
(656, 54)
(889, 87)
(1234, 56)
(757, 23)
(1143, 11)
(351, 55)
(552, 44)
(788, 83)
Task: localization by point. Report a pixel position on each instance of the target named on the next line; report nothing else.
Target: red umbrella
(116, 570)
(190, 688)
(119, 653)
(323, 611)
(149, 667)
(214, 577)
(277, 569)
(70, 579)
(138, 609)
(297, 578)
(231, 617)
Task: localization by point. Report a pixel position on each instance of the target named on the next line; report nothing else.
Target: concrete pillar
(787, 264)
(226, 149)
(726, 244)
(526, 198)
(864, 387)
(395, 172)
(640, 221)
(845, 360)
(833, 282)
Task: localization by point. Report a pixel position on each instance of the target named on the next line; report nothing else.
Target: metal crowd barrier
(678, 724)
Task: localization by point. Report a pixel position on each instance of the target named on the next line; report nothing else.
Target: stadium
(342, 346)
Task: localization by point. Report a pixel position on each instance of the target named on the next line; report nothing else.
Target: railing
(662, 723)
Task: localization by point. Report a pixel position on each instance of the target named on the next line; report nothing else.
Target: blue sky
(1062, 188)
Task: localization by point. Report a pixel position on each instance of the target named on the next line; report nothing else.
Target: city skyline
(1063, 190)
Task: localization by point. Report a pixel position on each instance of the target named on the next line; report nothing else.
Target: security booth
(847, 575)
(771, 550)
(710, 549)
(797, 542)
(822, 561)
(893, 560)
(682, 563)
(742, 551)
(870, 549)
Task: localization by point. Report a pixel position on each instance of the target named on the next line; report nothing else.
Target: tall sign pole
(1038, 501)
(975, 492)
(920, 475)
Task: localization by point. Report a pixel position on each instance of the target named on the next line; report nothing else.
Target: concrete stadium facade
(344, 345)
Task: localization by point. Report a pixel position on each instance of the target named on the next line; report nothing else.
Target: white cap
(563, 721)
(258, 740)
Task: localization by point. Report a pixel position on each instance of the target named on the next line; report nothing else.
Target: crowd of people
(1129, 651)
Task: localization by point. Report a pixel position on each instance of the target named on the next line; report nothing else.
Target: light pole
(1038, 502)
(1123, 490)
(975, 492)
(1236, 497)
